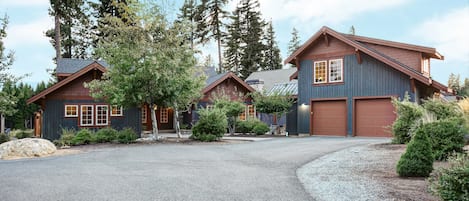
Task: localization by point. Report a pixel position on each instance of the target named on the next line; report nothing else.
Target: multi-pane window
(144, 114)
(251, 111)
(242, 116)
(116, 110)
(164, 115)
(86, 115)
(335, 70)
(426, 66)
(320, 72)
(101, 115)
(71, 110)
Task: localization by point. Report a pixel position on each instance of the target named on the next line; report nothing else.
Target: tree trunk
(57, 31)
(220, 63)
(176, 118)
(2, 123)
(154, 122)
(232, 125)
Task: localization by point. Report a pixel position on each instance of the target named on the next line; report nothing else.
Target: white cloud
(449, 34)
(31, 33)
(321, 11)
(23, 3)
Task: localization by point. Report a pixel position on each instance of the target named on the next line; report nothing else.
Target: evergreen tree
(294, 42)
(454, 83)
(233, 52)
(188, 12)
(73, 26)
(210, 20)
(272, 58)
(252, 29)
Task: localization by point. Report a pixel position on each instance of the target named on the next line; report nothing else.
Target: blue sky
(443, 25)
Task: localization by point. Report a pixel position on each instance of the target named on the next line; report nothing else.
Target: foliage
(452, 183)
(442, 110)
(260, 128)
(407, 115)
(66, 137)
(276, 103)
(151, 63)
(126, 136)
(106, 135)
(211, 125)
(294, 42)
(24, 134)
(4, 138)
(446, 136)
(272, 59)
(83, 136)
(22, 118)
(232, 110)
(464, 105)
(460, 88)
(7, 100)
(417, 161)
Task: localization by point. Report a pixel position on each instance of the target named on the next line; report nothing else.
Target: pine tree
(252, 26)
(188, 13)
(233, 52)
(272, 58)
(294, 42)
(454, 83)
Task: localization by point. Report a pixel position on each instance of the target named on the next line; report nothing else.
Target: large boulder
(27, 147)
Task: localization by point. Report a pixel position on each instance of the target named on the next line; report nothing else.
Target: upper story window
(426, 66)
(71, 110)
(116, 111)
(330, 71)
(320, 72)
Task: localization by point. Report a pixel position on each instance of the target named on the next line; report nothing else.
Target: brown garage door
(329, 118)
(373, 117)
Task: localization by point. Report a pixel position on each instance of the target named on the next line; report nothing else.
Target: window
(210, 107)
(164, 115)
(251, 111)
(330, 71)
(426, 66)
(335, 70)
(144, 114)
(320, 72)
(242, 116)
(71, 110)
(86, 115)
(101, 115)
(116, 110)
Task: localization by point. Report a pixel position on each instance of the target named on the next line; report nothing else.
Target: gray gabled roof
(70, 66)
(272, 77)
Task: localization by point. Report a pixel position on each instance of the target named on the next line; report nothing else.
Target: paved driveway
(264, 170)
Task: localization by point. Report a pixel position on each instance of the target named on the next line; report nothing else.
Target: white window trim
(107, 115)
(119, 109)
(166, 119)
(254, 111)
(81, 115)
(76, 108)
(426, 66)
(209, 107)
(314, 72)
(328, 68)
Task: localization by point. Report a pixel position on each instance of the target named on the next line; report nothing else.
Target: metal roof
(271, 77)
(285, 88)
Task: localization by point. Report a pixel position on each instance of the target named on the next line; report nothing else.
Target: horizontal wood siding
(370, 78)
(54, 120)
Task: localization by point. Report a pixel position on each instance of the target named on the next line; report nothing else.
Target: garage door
(329, 118)
(373, 117)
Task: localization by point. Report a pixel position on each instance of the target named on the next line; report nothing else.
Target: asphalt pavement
(253, 171)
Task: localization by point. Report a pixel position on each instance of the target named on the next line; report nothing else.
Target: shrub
(24, 134)
(4, 138)
(407, 115)
(211, 125)
(244, 126)
(65, 138)
(417, 161)
(442, 110)
(84, 136)
(126, 136)
(106, 135)
(452, 183)
(260, 128)
(446, 137)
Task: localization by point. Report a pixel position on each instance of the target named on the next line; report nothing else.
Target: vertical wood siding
(54, 120)
(370, 78)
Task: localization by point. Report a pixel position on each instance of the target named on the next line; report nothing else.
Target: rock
(27, 147)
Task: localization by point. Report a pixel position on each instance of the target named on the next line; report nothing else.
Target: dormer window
(426, 66)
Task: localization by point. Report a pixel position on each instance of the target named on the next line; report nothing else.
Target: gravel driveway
(264, 170)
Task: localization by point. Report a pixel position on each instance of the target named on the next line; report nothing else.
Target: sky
(443, 25)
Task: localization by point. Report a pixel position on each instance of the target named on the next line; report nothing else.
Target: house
(276, 81)
(224, 84)
(68, 104)
(346, 82)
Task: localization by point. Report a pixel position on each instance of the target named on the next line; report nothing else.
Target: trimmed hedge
(452, 183)
(211, 125)
(417, 161)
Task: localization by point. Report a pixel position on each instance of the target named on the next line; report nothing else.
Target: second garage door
(373, 117)
(329, 118)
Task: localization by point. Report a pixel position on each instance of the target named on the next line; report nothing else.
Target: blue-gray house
(346, 82)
